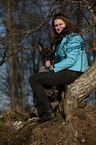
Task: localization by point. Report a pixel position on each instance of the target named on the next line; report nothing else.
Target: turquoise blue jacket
(71, 54)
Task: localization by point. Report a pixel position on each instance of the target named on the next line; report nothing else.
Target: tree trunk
(76, 93)
(22, 80)
(13, 70)
(79, 90)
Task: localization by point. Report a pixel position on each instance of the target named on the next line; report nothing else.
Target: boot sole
(51, 119)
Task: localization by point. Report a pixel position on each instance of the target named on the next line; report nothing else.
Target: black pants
(38, 82)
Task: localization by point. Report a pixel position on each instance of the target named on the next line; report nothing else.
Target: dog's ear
(40, 47)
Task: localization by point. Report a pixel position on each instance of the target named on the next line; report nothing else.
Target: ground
(17, 129)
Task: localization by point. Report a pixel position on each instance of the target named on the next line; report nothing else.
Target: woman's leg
(38, 81)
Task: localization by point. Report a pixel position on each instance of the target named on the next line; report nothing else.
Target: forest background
(22, 25)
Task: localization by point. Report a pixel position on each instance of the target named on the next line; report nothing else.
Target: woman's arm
(73, 48)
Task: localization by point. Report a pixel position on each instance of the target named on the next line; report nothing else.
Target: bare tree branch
(83, 3)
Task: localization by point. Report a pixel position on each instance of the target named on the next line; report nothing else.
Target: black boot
(48, 114)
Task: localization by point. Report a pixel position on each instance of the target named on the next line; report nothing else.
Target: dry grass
(49, 133)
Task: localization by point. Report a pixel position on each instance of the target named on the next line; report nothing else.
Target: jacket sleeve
(73, 48)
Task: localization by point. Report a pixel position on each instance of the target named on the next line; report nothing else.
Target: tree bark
(13, 69)
(79, 90)
(22, 80)
(76, 93)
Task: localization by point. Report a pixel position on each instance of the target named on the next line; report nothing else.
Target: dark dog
(47, 55)
(54, 92)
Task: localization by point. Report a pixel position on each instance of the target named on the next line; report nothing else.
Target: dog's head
(47, 54)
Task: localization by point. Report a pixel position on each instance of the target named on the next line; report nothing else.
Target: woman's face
(59, 25)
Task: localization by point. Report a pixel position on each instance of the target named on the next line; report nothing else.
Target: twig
(60, 140)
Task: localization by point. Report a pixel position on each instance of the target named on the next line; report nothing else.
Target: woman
(71, 62)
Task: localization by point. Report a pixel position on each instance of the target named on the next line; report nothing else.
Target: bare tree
(13, 71)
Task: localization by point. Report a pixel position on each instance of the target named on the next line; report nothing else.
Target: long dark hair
(70, 27)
